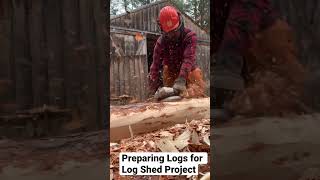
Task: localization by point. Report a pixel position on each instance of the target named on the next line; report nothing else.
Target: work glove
(165, 92)
(180, 84)
(154, 84)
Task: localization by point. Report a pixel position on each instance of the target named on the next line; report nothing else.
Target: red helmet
(168, 18)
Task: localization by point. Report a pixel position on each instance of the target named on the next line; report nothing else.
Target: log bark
(147, 117)
(287, 147)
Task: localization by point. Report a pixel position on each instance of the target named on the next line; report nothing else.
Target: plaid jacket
(236, 21)
(179, 56)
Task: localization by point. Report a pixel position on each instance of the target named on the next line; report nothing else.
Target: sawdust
(194, 91)
(135, 108)
(195, 85)
(276, 77)
(148, 143)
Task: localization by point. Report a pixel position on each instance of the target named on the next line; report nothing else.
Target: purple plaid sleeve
(246, 17)
(189, 54)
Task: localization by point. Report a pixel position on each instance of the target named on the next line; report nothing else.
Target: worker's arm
(189, 58)
(158, 56)
(189, 54)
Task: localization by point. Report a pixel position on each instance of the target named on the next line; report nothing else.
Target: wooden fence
(203, 61)
(53, 53)
(128, 66)
(128, 76)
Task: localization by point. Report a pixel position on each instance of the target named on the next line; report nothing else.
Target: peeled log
(147, 117)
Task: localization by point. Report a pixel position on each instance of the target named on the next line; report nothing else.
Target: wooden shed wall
(128, 66)
(53, 53)
(203, 61)
(145, 18)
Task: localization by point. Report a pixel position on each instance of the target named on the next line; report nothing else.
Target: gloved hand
(154, 84)
(180, 84)
(165, 92)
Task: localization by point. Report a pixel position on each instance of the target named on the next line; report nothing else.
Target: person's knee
(168, 77)
(195, 75)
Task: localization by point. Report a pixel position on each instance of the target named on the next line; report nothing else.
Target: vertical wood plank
(134, 47)
(155, 17)
(121, 75)
(6, 82)
(142, 77)
(112, 89)
(156, 14)
(39, 63)
(148, 17)
(132, 78)
(54, 39)
(23, 64)
(116, 75)
(137, 20)
(137, 77)
(146, 85)
(71, 24)
(84, 55)
(209, 62)
(101, 46)
(122, 22)
(151, 18)
(126, 75)
(130, 82)
(4, 40)
(132, 24)
(145, 19)
(140, 20)
(89, 64)
(12, 61)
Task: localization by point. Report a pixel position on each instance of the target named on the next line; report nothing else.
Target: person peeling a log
(256, 71)
(174, 59)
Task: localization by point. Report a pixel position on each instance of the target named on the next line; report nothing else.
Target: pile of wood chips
(192, 136)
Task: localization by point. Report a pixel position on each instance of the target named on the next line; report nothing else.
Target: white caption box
(161, 163)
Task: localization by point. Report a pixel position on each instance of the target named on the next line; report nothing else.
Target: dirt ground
(70, 170)
(78, 156)
(278, 148)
